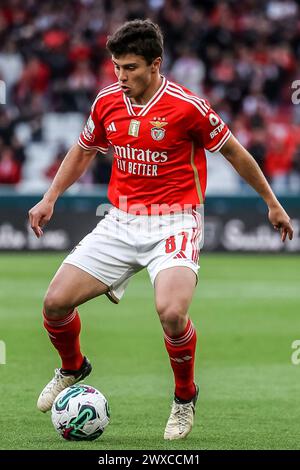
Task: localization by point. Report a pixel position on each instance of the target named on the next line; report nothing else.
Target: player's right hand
(39, 215)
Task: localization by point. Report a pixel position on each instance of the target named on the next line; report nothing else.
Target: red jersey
(159, 148)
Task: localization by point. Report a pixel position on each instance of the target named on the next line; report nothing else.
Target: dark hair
(140, 37)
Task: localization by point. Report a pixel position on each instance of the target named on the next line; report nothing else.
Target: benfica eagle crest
(158, 131)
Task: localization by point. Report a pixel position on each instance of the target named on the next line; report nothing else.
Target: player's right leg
(102, 263)
(70, 287)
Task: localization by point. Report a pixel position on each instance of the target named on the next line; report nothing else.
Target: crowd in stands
(243, 56)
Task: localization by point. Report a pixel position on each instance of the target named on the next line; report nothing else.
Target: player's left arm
(249, 170)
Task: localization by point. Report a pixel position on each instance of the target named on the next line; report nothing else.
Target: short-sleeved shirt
(159, 149)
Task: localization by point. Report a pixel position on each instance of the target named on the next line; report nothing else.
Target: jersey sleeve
(209, 127)
(93, 135)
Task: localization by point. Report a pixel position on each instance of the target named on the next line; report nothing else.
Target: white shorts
(122, 244)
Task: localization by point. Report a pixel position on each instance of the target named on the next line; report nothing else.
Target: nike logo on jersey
(111, 127)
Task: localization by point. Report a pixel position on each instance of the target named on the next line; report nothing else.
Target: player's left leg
(174, 288)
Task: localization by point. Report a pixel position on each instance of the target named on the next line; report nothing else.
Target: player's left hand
(281, 221)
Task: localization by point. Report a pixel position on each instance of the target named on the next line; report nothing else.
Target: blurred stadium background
(244, 58)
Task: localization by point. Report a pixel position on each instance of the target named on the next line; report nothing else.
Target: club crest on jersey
(134, 128)
(158, 132)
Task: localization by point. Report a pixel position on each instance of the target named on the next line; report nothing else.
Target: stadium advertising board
(231, 224)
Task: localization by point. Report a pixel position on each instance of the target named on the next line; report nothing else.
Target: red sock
(181, 351)
(64, 335)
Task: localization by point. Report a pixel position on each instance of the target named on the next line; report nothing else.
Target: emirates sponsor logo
(140, 155)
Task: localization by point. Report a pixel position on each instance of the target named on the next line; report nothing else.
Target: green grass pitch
(246, 311)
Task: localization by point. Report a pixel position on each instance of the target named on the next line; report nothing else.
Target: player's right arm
(73, 166)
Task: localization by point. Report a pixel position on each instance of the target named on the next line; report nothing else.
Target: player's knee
(54, 305)
(172, 317)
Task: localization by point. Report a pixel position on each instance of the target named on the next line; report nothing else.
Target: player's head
(136, 49)
(139, 37)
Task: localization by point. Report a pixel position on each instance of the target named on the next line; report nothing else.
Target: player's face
(135, 76)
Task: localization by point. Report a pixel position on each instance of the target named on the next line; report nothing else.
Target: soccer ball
(80, 413)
